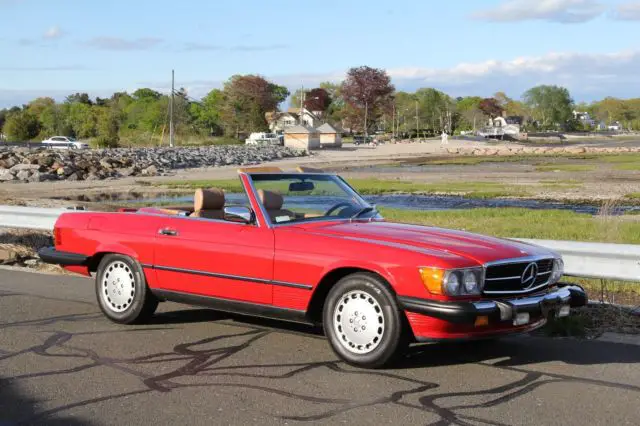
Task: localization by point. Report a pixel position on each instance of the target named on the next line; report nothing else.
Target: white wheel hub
(118, 286)
(358, 322)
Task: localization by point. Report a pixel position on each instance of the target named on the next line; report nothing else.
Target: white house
(615, 126)
(280, 121)
(507, 125)
(584, 117)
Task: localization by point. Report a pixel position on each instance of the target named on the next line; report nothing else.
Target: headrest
(208, 199)
(270, 200)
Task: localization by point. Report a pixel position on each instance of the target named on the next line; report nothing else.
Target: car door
(215, 258)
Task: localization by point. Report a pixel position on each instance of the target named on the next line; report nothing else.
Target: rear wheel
(362, 321)
(122, 292)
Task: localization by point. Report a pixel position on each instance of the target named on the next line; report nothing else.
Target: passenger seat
(272, 202)
(208, 203)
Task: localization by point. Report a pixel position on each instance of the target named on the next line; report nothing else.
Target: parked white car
(263, 138)
(64, 142)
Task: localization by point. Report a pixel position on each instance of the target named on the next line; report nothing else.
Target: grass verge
(525, 223)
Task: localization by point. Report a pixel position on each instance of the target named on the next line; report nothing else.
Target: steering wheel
(337, 206)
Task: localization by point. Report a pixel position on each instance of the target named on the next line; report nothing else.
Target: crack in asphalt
(196, 361)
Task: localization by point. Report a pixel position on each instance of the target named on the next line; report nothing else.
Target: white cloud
(627, 12)
(562, 11)
(588, 76)
(117, 43)
(53, 33)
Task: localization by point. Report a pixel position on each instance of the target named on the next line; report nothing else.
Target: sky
(462, 47)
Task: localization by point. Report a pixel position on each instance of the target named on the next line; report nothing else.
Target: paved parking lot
(61, 362)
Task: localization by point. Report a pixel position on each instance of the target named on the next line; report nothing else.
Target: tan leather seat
(208, 203)
(272, 202)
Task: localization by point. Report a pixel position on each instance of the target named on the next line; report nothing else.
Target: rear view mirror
(301, 186)
(239, 214)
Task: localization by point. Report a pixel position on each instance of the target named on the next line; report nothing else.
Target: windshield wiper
(362, 211)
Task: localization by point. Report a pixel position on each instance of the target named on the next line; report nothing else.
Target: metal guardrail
(587, 260)
(29, 217)
(596, 260)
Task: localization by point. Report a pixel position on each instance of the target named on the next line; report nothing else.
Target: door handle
(168, 231)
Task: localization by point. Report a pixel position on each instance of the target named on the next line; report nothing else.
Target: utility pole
(366, 112)
(302, 96)
(417, 121)
(171, 108)
(393, 122)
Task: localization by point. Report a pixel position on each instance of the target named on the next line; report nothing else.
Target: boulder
(150, 171)
(25, 167)
(6, 175)
(23, 174)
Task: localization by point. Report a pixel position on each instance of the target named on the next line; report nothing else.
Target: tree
(403, 111)
(146, 94)
(208, 113)
(82, 120)
(491, 107)
(82, 98)
(21, 126)
(335, 111)
(471, 116)
(247, 99)
(367, 91)
(108, 121)
(279, 93)
(551, 106)
(40, 104)
(3, 118)
(435, 111)
(317, 99)
(54, 121)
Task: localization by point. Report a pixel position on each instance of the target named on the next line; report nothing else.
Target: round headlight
(452, 284)
(558, 271)
(470, 282)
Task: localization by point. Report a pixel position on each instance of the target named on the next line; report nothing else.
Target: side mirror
(239, 214)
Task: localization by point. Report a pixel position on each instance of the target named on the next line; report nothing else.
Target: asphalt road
(61, 363)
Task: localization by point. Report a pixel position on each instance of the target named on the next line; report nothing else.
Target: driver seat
(272, 202)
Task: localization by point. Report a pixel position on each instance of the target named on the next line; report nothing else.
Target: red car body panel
(282, 266)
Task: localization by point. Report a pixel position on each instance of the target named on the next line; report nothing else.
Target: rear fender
(115, 249)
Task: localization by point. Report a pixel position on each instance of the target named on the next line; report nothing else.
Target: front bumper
(501, 314)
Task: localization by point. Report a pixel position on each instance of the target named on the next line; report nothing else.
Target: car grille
(507, 277)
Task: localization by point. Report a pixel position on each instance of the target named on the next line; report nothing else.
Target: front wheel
(362, 321)
(122, 292)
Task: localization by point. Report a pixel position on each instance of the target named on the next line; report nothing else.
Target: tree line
(365, 101)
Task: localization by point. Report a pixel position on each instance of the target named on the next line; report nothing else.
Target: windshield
(298, 197)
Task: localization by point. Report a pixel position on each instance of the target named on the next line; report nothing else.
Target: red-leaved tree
(491, 107)
(317, 99)
(366, 90)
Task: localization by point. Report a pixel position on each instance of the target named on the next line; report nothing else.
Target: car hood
(479, 248)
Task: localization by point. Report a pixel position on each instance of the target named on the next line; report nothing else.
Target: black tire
(381, 302)
(132, 300)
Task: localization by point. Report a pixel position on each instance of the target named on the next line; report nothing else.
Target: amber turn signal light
(432, 279)
(481, 321)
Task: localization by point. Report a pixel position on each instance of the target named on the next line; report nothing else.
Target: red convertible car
(304, 246)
